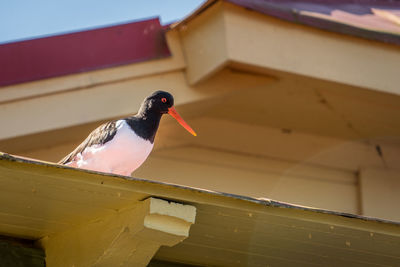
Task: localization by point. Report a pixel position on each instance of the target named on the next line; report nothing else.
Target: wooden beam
(89, 104)
(128, 238)
(109, 101)
(204, 44)
(296, 147)
(260, 40)
(83, 182)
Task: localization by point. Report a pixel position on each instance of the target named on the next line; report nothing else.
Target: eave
(45, 202)
(222, 34)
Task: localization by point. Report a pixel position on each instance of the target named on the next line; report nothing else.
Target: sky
(27, 19)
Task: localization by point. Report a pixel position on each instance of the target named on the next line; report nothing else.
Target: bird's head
(161, 102)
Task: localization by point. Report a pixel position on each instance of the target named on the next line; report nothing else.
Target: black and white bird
(121, 146)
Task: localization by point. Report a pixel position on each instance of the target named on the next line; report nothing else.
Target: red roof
(371, 19)
(82, 51)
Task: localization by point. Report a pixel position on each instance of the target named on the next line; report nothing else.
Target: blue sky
(27, 19)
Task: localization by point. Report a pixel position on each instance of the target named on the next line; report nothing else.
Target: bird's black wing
(100, 135)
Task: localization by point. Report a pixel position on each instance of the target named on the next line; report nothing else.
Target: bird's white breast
(121, 155)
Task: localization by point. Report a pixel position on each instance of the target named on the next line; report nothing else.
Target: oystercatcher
(121, 146)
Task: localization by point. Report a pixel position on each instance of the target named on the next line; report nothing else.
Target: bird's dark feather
(100, 135)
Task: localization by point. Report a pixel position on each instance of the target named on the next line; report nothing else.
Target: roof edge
(302, 18)
(219, 195)
(192, 15)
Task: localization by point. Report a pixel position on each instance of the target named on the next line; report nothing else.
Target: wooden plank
(42, 225)
(218, 256)
(265, 238)
(49, 209)
(238, 225)
(98, 194)
(19, 231)
(309, 246)
(36, 205)
(334, 227)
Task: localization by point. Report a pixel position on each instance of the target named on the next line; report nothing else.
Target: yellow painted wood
(297, 147)
(253, 38)
(229, 230)
(257, 239)
(308, 105)
(204, 44)
(256, 39)
(98, 103)
(56, 206)
(130, 237)
(61, 174)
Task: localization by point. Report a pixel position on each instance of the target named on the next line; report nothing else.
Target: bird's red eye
(163, 100)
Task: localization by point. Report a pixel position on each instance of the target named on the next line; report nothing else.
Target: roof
(377, 20)
(63, 54)
(40, 198)
(82, 51)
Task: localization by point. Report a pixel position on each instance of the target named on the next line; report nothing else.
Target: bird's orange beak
(173, 113)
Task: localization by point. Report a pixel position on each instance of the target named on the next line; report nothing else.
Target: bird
(121, 146)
